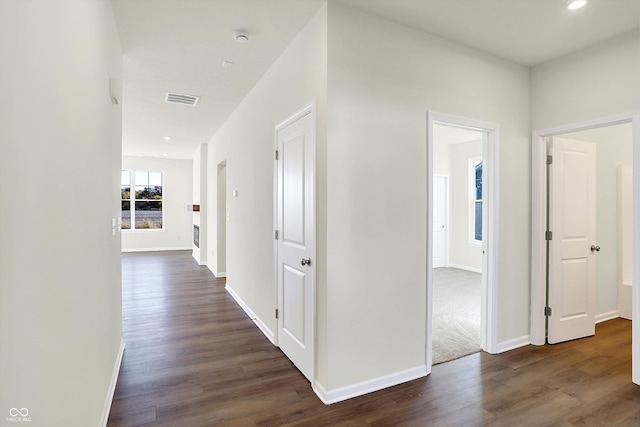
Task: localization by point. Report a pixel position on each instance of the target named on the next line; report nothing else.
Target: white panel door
(572, 261)
(295, 244)
(439, 221)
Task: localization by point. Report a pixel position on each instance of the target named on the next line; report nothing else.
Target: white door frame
(308, 109)
(538, 224)
(490, 225)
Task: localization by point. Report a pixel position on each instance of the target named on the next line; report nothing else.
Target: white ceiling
(179, 46)
(528, 32)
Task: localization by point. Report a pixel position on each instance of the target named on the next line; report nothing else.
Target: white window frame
(132, 199)
(473, 161)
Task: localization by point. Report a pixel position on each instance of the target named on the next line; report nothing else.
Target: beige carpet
(456, 313)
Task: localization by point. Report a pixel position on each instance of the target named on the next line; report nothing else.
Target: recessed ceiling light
(576, 4)
(165, 154)
(227, 64)
(167, 138)
(241, 36)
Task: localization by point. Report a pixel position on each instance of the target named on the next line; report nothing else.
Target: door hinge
(277, 155)
(277, 234)
(549, 160)
(548, 235)
(547, 311)
(276, 313)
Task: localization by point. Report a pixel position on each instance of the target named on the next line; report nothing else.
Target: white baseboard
(464, 267)
(157, 249)
(259, 323)
(369, 386)
(112, 386)
(607, 316)
(215, 273)
(513, 343)
(199, 260)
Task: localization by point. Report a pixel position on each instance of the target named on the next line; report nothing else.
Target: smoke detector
(241, 36)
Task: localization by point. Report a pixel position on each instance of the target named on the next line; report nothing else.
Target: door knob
(595, 248)
(305, 261)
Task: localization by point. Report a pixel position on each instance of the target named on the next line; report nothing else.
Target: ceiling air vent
(180, 98)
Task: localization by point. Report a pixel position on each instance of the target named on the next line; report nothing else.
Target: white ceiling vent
(180, 98)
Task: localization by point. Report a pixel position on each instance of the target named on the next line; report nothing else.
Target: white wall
(200, 177)
(613, 147)
(246, 143)
(463, 254)
(382, 79)
(60, 154)
(176, 195)
(592, 83)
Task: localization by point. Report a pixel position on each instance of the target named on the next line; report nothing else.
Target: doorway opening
(462, 219)
(221, 226)
(617, 142)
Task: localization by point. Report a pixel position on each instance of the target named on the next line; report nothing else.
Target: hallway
(193, 359)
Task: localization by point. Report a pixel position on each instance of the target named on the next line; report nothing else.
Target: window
(476, 200)
(142, 207)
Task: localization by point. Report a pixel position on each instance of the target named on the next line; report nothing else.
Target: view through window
(477, 200)
(142, 207)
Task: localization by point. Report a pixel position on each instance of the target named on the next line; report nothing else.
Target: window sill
(143, 230)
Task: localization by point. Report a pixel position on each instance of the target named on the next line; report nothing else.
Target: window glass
(148, 214)
(146, 200)
(475, 207)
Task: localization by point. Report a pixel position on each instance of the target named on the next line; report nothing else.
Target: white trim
(143, 230)
(106, 409)
(259, 323)
(157, 249)
(513, 344)
(369, 386)
(607, 316)
(197, 258)
(214, 272)
(490, 227)
(466, 268)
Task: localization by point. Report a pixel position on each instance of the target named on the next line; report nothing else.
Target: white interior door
(572, 262)
(296, 242)
(439, 221)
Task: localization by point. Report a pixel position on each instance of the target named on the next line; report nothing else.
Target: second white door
(572, 248)
(439, 221)
(296, 241)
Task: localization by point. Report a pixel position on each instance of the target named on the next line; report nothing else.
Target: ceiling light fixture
(167, 138)
(241, 36)
(576, 4)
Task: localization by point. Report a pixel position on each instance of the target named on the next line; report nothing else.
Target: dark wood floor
(193, 358)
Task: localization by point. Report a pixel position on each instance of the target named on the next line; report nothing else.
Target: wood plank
(193, 358)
